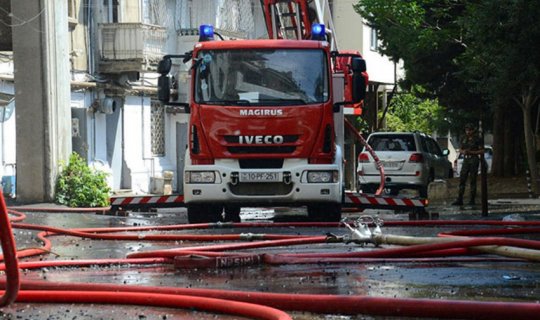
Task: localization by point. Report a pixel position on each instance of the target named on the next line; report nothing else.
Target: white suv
(411, 160)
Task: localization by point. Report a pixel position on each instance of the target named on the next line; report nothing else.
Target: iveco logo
(261, 112)
(260, 139)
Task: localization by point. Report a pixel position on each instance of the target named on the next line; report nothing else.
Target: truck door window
(261, 77)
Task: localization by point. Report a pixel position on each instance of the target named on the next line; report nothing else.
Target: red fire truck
(267, 124)
(262, 127)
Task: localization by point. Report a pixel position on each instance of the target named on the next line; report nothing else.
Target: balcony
(130, 47)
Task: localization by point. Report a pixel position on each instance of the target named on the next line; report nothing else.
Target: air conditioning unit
(107, 105)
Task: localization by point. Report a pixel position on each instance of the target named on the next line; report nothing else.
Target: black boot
(458, 202)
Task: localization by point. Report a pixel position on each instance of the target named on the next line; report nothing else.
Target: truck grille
(260, 163)
(261, 149)
(261, 189)
(235, 146)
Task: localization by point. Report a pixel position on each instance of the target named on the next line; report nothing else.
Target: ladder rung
(292, 14)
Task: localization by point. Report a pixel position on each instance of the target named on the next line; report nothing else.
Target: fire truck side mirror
(358, 66)
(164, 66)
(359, 87)
(164, 88)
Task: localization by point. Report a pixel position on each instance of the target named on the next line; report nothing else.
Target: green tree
(80, 186)
(411, 113)
(478, 58)
(503, 56)
(427, 35)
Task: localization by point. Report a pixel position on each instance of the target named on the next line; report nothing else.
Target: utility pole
(42, 95)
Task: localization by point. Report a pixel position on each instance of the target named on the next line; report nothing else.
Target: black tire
(202, 213)
(328, 212)
(423, 192)
(232, 213)
(369, 188)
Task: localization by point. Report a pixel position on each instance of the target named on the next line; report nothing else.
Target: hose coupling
(360, 232)
(252, 236)
(332, 238)
(220, 225)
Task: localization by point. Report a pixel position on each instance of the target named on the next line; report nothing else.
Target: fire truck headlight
(322, 176)
(200, 177)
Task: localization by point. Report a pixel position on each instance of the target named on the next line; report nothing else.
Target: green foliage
(503, 55)
(80, 186)
(408, 112)
(430, 38)
(361, 125)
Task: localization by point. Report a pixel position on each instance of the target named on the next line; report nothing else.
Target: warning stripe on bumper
(383, 201)
(148, 200)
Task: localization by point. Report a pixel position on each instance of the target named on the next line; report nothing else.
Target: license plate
(391, 165)
(260, 176)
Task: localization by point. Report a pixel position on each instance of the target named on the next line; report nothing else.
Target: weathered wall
(42, 95)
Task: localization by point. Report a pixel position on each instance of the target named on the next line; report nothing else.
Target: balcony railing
(128, 47)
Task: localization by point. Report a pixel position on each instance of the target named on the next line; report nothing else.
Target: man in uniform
(471, 147)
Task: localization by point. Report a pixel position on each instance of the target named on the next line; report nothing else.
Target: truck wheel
(423, 191)
(198, 213)
(330, 212)
(232, 213)
(369, 188)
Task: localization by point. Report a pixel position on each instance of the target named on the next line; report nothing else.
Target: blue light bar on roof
(206, 32)
(318, 32)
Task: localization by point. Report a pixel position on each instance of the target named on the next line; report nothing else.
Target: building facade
(117, 124)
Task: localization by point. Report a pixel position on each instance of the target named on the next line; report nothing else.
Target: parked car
(411, 160)
(488, 157)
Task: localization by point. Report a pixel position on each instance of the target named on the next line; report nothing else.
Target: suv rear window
(396, 142)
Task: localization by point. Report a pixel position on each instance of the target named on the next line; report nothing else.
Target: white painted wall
(142, 165)
(352, 34)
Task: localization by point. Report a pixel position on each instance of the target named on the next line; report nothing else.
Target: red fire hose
(9, 250)
(329, 304)
(332, 304)
(256, 311)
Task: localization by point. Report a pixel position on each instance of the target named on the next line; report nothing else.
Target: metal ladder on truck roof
(292, 19)
(287, 19)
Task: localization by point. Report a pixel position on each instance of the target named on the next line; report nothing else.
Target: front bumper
(393, 180)
(292, 187)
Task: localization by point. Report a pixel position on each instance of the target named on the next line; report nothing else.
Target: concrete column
(42, 86)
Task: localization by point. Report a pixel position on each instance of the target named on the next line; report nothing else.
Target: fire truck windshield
(261, 77)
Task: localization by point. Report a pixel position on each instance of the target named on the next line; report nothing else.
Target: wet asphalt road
(480, 280)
